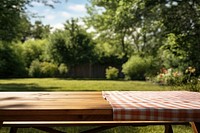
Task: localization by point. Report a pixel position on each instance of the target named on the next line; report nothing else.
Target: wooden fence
(96, 71)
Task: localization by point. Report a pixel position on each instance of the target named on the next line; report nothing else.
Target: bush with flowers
(187, 79)
(169, 77)
(191, 80)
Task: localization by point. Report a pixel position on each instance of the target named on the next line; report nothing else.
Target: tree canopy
(145, 26)
(14, 17)
(166, 33)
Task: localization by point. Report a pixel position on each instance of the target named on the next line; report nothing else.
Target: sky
(57, 16)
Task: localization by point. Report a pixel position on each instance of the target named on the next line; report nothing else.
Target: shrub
(42, 69)
(187, 80)
(112, 73)
(136, 68)
(169, 77)
(192, 82)
(11, 62)
(48, 69)
(35, 69)
(33, 50)
(62, 69)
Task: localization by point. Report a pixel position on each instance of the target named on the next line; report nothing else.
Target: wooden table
(44, 109)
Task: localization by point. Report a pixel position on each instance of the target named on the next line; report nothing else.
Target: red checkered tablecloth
(154, 105)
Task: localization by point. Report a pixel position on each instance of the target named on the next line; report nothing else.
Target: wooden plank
(88, 123)
(54, 105)
(57, 112)
(104, 124)
(58, 118)
(32, 94)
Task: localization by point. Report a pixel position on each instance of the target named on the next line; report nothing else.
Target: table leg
(13, 130)
(195, 127)
(1, 124)
(168, 129)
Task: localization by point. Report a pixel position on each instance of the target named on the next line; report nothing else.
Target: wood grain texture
(53, 106)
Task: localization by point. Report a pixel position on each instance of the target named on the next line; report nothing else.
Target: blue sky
(62, 11)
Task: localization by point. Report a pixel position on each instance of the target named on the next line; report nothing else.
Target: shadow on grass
(25, 87)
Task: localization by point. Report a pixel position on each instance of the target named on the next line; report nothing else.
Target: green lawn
(53, 84)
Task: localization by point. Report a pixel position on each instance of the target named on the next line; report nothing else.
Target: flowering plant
(191, 79)
(186, 80)
(169, 76)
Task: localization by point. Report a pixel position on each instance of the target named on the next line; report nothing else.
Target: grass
(54, 84)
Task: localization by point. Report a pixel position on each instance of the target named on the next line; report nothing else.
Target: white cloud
(65, 14)
(77, 8)
(57, 17)
(37, 4)
(50, 17)
(58, 26)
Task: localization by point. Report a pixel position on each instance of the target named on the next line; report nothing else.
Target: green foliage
(171, 54)
(14, 20)
(34, 49)
(62, 69)
(11, 63)
(169, 77)
(57, 49)
(112, 73)
(192, 82)
(129, 24)
(42, 69)
(10, 16)
(186, 80)
(40, 31)
(167, 28)
(136, 68)
(108, 53)
(35, 69)
(72, 46)
(48, 69)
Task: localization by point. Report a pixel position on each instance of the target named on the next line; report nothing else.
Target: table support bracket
(98, 129)
(195, 127)
(49, 130)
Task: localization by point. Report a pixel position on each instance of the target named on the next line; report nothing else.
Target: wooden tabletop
(54, 106)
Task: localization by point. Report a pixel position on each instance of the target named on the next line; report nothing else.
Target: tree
(72, 46)
(12, 12)
(182, 18)
(34, 50)
(11, 62)
(39, 31)
(146, 24)
(128, 23)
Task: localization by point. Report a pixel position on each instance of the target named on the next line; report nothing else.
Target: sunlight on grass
(53, 84)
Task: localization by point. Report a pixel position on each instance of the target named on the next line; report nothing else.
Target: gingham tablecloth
(154, 105)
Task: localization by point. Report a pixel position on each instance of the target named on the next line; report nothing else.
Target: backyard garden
(134, 45)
